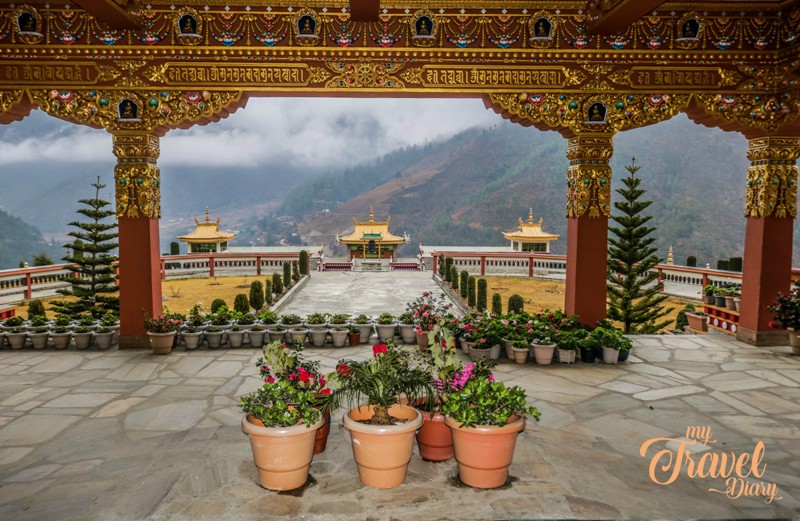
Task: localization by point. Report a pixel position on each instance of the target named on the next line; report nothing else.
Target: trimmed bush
(735, 264)
(287, 275)
(303, 262)
(515, 304)
(174, 248)
(216, 304)
(722, 264)
(441, 266)
(497, 304)
(681, 322)
(691, 261)
(471, 292)
(36, 309)
(241, 304)
(464, 284)
(454, 277)
(295, 271)
(268, 292)
(256, 295)
(448, 265)
(482, 289)
(277, 283)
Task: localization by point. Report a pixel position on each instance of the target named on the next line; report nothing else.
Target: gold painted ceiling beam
(112, 13)
(365, 10)
(624, 14)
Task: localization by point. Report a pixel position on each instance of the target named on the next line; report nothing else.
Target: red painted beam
(623, 15)
(365, 10)
(110, 13)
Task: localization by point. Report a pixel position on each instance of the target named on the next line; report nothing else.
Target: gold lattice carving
(763, 112)
(136, 175)
(772, 177)
(151, 110)
(365, 74)
(589, 175)
(8, 98)
(130, 78)
(590, 113)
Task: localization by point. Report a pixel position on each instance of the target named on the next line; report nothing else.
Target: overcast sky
(303, 131)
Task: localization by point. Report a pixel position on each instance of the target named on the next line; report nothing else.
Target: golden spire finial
(530, 217)
(541, 220)
(670, 259)
(371, 215)
(208, 218)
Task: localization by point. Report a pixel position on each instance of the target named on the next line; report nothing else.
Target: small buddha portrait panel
(690, 29)
(596, 113)
(187, 24)
(307, 26)
(542, 28)
(423, 26)
(27, 23)
(128, 109)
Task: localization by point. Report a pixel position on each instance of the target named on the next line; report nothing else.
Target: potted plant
(354, 336)
(268, 318)
(256, 335)
(102, 337)
(543, 341)
(339, 320)
(708, 294)
(13, 322)
(385, 326)
(291, 320)
(381, 429)
(405, 323)
(39, 336)
(236, 335)
(427, 310)
(82, 336)
(520, 350)
(281, 437)
(316, 321)
(719, 296)
(87, 321)
(339, 335)
(485, 417)
(698, 321)
(162, 330)
(568, 345)
(589, 347)
(364, 325)
(613, 342)
(191, 335)
(786, 313)
(16, 337)
(245, 321)
(111, 321)
(318, 335)
(213, 335)
(60, 336)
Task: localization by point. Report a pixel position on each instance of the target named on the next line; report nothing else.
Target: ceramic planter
(566, 356)
(434, 438)
(494, 352)
(508, 345)
(408, 333)
(484, 452)
(479, 353)
(365, 330)
(623, 355)
(339, 337)
(382, 452)
(16, 340)
(298, 334)
(236, 338)
(256, 338)
(610, 356)
(213, 338)
(192, 340)
(61, 340)
(277, 336)
(83, 340)
(318, 336)
(385, 332)
(737, 303)
(103, 340)
(543, 353)
(708, 299)
(519, 354)
(39, 340)
(161, 343)
(282, 454)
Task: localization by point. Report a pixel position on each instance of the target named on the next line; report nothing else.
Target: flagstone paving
(130, 435)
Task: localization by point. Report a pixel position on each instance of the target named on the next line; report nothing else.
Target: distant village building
(207, 237)
(530, 236)
(372, 239)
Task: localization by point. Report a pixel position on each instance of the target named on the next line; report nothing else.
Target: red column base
(587, 259)
(139, 277)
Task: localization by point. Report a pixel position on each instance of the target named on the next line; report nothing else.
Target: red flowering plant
(282, 363)
(427, 310)
(380, 381)
(163, 323)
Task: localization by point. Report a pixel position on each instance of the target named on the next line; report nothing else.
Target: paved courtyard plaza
(126, 435)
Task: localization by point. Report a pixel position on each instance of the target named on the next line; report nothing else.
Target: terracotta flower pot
(519, 354)
(434, 438)
(282, 454)
(422, 339)
(543, 353)
(697, 322)
(321, 439)
(382, 452)
(161, 343)
(484, 452)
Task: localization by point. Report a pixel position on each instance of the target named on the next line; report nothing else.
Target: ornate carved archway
(584, 69)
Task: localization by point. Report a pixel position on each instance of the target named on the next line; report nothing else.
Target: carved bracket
(589, 175)
(136, 175)
(772, 177)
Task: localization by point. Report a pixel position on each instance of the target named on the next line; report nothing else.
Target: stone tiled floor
(128, 435)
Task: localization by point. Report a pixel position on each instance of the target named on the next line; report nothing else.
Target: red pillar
(483, 264)
(163, 269)
(258, 266)
(770, 208)
(587, 259)
(28, 286)
(139, 277)
(530, 266)
(138, 204)
(210, 266)
(588, 209)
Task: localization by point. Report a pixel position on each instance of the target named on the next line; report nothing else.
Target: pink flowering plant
(380, 381)
(283, 363)
(484, 401)
(427, 310)
(163, 323)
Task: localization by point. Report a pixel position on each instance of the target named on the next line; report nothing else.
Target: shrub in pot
(407, 330)
(613, 342)
(385, 326)
(364, 325)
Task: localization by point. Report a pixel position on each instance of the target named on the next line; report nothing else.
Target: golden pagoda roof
(207, 232)
(372, 230)
(530, 231)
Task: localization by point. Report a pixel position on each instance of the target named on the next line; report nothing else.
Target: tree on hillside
(94, 290)
(634, 296)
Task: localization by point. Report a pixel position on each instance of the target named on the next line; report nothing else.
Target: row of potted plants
(392, 398)
(39, 332)
(728, 297)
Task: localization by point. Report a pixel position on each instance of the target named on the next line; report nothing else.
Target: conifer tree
(94, 288)
(634, 296)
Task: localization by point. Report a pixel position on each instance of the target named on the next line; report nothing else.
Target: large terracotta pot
(161, 343)
(321, 439)
(434, 439)
(697, 322)
(282, 454)
(543, 353)
(484, 452)
(382, 452)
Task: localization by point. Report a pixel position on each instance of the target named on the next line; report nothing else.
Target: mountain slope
(19, 241)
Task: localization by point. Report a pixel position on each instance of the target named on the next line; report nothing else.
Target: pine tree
(633, 289)
(94, 288)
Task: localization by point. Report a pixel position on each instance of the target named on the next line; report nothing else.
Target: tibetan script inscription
(49, 73)
(649, 77)
(478, 76)
(288, 75)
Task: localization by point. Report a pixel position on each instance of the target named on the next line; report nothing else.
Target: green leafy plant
(36, 309)
(241, 303)
(280, 404)
(291, 319)
(63, 320)
(246, 319)
(277, 283)
(386, 319)
(362, 319)
(295, 271)
(454, 277)
(612, 338)
(448, 265)
(109, 320)
(315, 319)
(339, 318)
(471, 292)
(256, 298)
(407, 319)
(38, 320)
(268, 317)
(268, 294)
